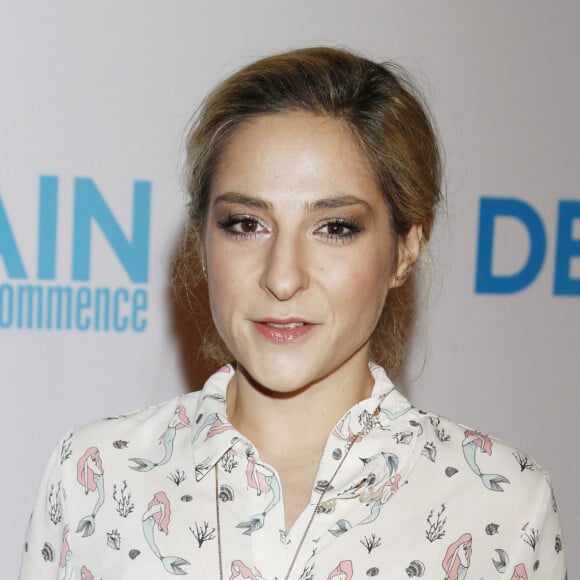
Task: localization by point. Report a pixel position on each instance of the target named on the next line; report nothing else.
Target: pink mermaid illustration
(264, 482)
(216, 427)
(457, 558)
(473, 441)
(240, 570)
(66, 557)
(178, 421)
(343, 571)
(520, 573)
(158, 516)
(90, 476)
(86, 574)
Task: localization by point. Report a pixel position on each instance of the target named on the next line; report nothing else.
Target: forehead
(294, 153)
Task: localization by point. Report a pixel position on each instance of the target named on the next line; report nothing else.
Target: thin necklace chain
(369, 424)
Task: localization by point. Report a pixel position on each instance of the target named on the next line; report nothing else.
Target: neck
(295, 425)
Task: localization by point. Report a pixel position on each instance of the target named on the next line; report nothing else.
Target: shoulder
(485, 463)
(123, 431)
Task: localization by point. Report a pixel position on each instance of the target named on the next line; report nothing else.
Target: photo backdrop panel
(96, 100)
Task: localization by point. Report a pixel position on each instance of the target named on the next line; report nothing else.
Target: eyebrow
(334, 202)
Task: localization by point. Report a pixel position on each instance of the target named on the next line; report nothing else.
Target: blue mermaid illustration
(158, 515)
(216, 427)
(263, 481)
(378, 485)
(473, 441)
(90, 476)
(179, 420)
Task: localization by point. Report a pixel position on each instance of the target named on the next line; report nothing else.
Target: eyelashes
(241, 226)
(245, 227)
(339, 229)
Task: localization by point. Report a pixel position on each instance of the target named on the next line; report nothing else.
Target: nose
(285, 272)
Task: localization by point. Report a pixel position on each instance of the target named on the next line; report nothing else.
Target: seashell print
(120, 444)
(322, 486)
(403, 437)
(558, 544)
(415, 569)
(226, 493)
(134, 553)
(326, 507)
(337, 454)
(373, 572)
(491, 529)
(451, 471)
(47, 552)
(186, 498)
(114, 540)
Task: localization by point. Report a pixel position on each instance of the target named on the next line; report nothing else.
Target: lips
(283, 331)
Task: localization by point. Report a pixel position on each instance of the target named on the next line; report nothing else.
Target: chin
(285, 375)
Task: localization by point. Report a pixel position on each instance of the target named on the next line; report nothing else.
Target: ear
(408, 246)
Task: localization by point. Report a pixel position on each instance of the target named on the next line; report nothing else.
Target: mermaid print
(216, 427)
(179, 420)
(520, 573)
(240, 570)
(376, 488)
(457, 558)
(66, 558)
(157, 516)
(263, 481)
(473, 441)
(343, 571)
(90, 476)
(86, 574)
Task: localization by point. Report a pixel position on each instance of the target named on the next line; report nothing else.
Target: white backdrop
(103, 91)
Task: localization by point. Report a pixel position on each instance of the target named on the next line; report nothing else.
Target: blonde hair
(390, 121)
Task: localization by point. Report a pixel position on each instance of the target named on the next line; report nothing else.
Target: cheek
(359, 283)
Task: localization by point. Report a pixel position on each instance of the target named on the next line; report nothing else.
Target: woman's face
(300, 250)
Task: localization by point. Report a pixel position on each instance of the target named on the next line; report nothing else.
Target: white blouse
(176, 490)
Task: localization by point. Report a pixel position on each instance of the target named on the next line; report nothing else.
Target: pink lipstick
(283, 331)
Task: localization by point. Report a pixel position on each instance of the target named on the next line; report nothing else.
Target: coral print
(66, 557)
(90, 476)
(178, 421)
(457, 558)
(240, 570)
(474, 440)
(158, 516)
(342, 572)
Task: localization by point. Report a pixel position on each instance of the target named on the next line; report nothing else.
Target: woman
(314, 179)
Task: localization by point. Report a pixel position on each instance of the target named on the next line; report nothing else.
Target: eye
(242, 226)
(339, 230)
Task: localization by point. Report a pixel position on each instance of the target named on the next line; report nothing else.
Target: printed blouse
(175, 489)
